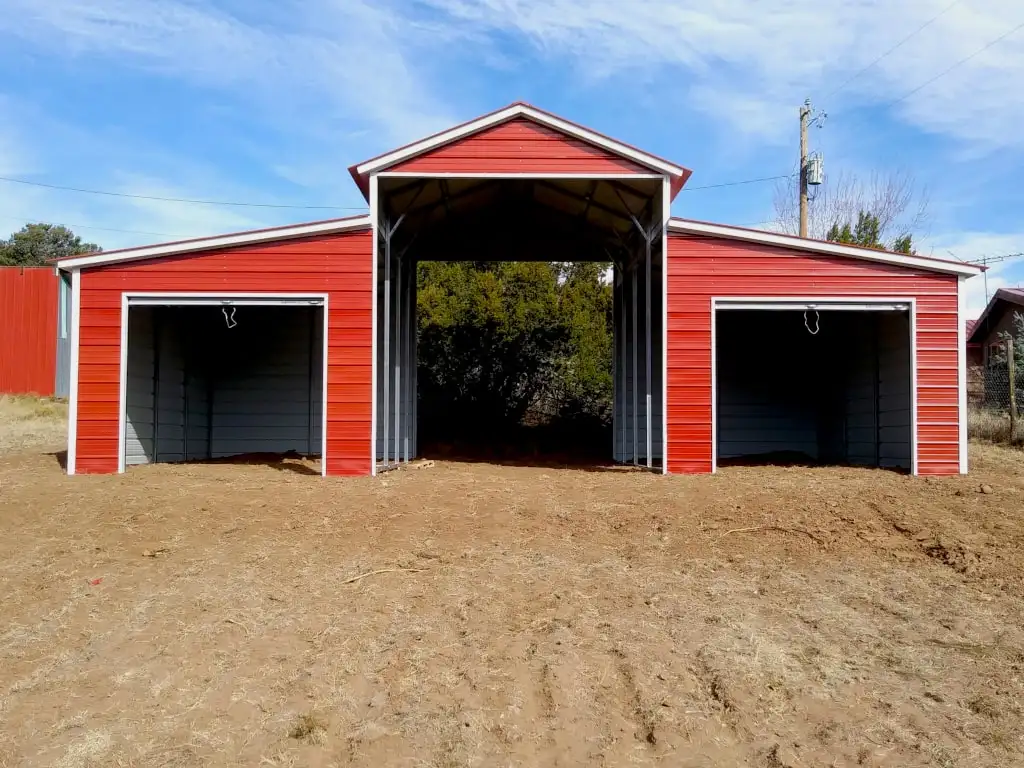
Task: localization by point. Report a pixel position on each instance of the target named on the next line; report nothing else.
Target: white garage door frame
(826, 304)
(219, 299)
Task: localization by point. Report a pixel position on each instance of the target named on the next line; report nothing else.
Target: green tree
(35, 244)
(866, 232)
(502, 345)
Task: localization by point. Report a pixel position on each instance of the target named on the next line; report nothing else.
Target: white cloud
(765, 56)
(297, 61)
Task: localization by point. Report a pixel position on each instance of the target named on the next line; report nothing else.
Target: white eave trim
(816, 246)
(510, 113)
(217, 241)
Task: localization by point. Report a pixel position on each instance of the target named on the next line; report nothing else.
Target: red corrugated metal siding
(28, 330)
(339, 265)
(700, 268)
(520, 146)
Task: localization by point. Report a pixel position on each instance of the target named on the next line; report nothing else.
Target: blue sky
(271, 101)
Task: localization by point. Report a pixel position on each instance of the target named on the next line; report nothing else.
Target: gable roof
(822, 247)
(518, 110)
(250, 237)
(1011, 296)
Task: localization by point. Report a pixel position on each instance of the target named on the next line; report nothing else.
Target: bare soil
(486, 614)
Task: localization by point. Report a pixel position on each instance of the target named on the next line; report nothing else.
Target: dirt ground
(484, 615)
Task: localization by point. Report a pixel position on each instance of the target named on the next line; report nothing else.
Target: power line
(89, 226)
(949, 69)
(913, 34)
(179, 199)
(738, 183)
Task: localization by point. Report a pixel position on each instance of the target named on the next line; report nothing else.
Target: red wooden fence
(28, 330)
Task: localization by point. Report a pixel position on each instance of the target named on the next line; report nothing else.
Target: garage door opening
(225, 379)
(815, 386)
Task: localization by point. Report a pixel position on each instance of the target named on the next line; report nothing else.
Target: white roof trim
(817, 246)
(217, 241)
(510, 113)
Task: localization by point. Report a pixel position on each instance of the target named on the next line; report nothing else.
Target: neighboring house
(996, 320)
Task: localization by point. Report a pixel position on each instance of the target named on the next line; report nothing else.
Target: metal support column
(389, 231)
(636, 456)
(407, 289)
(398, 361)
(386, 378)
(647, 349)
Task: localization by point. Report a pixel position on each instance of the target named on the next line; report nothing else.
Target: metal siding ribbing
(339, 265)
(519, 146)
(704, 267)
(28, 330)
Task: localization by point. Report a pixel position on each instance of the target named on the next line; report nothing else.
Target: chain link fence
(994, 395)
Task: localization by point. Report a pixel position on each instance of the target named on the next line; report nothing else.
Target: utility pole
(805, 113)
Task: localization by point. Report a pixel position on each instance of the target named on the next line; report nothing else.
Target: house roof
(823, 247)
(517, 110)
(1011, 296)
(250, 237)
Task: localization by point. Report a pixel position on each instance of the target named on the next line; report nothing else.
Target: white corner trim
(76, 322)
(913, 388)
(816, 246)
(961, 350)
(374, 223)
(503, 116)
(324, 383)
(666, 203)
(217, 241)
(714, 385)
(122, 387)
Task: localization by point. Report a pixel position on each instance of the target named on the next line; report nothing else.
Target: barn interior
(210, 381)
(814, 386)
(523, 219)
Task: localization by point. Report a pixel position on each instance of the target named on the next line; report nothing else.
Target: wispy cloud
(346, 60)
(766, 55)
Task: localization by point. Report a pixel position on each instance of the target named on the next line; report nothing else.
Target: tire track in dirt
(641, 713)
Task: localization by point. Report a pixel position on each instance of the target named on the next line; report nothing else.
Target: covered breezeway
(814, 382)
(553, 219)
(220, 376)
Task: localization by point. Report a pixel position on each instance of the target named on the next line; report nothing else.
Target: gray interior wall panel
(170, 387)
(861, 401)
(894, 387)
(765, 403)
(139, 387)
(262, 398)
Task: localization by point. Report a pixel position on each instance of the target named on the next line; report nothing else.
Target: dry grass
(514, 616)
(29, 422)
(988, 426)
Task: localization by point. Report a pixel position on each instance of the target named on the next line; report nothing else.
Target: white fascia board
(816, 246)
(218, 241)
(510, 113)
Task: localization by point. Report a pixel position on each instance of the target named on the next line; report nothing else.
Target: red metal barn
(32, 325)
(730, 344)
